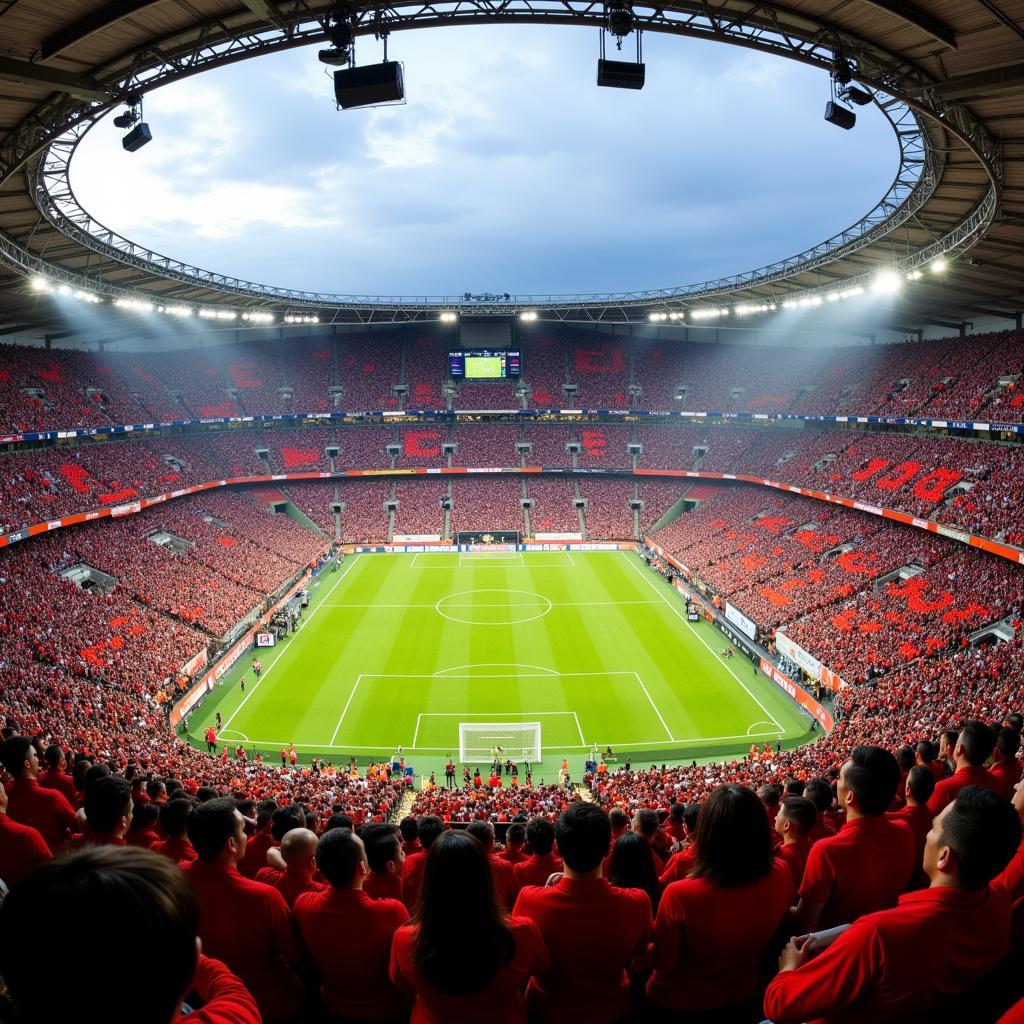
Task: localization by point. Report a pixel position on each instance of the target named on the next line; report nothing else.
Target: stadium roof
(949, 75)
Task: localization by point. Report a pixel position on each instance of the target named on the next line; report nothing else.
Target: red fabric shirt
(412, 876)
(54, 778)
(350, 936)
(1014, 1015)
(247, 925)
(500, 1002)
(969, 775)
(513, 856)
(1012, 876)
(1006, 774)
(591, 986)
(386, 886)
(255, 854)
(504, 880)
(226, 999)
(919, 819)
(861, 869)
(288, 884)
(45, 810)
(679, 865)
(178, 848)
(535, 870)
(707, 939)
(795, 855)
(21, 849)
(898, 962)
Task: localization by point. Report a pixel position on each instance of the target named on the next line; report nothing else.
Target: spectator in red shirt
(926, 755)
(504, 873)
(298, 849)
(515, 840)
(866, 865)
(793, 825)
(245, 923)
(1006, 769)
(409, 830)
(45, 810)
(21, 846)
(819, 792)
(354, 974)
(145, 821)
(973, 748)
(130, 893)
(386, 860)
(919, 787)
(902, 962)
(56, 776)
(428, 828)
(108, 811)
(542, 863)
(592, 988)
(425, 954)
(713, 926)
(633, 867)
(174, 822)
(260, 841)
(647, 825)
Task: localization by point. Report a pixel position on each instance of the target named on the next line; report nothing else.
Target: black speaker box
(837, 114)
(368, 85)
(620, 74)
(137, 137)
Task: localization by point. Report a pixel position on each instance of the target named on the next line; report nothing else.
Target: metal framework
(921, 118)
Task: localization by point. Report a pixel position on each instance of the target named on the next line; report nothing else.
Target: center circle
(493, 607)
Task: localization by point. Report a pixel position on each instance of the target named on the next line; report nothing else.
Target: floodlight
(939, 265)
(40, 284)
(887, 282)
(449, 317)
(528, 315)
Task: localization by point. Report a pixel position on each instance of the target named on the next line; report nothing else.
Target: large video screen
(485, 364)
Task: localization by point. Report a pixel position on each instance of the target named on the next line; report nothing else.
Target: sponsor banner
(558, 536)
(740, 621)
(789, 649)
(415, 538)
(195, 664)
(804, 699)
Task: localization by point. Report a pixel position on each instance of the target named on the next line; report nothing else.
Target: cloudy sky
(508, 169)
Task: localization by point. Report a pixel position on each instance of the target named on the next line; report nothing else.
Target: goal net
(506, 741)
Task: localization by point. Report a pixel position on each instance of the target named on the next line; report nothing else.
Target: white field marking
(509, 675)
(486, 714)
(344, 711)
(511, 604)
(497, 556)
(625, 745)
(495, 664)
(655, 706)
(682, 618)
(302, 625)
(754, 725)
(236, 733)
(416, 731)
(476, 605)
(482, 563)
(579, 729)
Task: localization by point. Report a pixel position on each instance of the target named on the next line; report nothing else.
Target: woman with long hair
(632, 867)
(459, 911)
(713, 925)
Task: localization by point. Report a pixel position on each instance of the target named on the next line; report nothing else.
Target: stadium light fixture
(218, 314)
(914, 275)
(175, 310)
(657, 317)
(449, 316)
(887, 282)
(136, 305)
(295, 319)
(40, 284)
(259, 318)
(528, 315)
(939, 265)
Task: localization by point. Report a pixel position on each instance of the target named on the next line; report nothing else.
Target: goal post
(513, 741)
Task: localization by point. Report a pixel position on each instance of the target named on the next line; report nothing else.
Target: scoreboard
(485, 364)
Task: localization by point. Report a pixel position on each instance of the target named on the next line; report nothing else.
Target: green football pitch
(395, 651)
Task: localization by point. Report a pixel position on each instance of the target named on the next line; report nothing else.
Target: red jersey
(536, 869)
(679, 865)
(795, 855)
(898, 963)
(290, 885)
(504, 880)
(21, 849)
(412, 877)
(350, 936)
(708, 939)
(255, 856)
(383, 886)
(247, 925)
(500, 1002)
(513, 856)
(594, 987)
(969, 775)
(45, 810)
(54, 778)
(178, 848)
(859, 870)
(1006, 774)
(1014, 1015)
(226, 1000)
